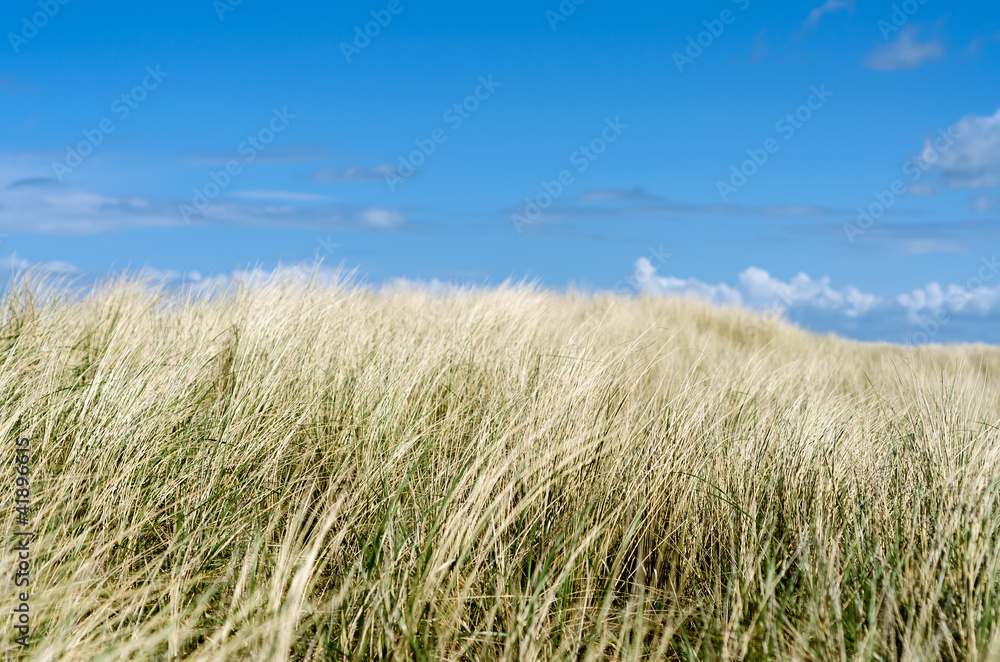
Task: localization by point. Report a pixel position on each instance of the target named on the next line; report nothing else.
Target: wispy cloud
(945, 235)
(27, 209)
(974, 48)
(34, 182)
(31, 204)
(828, 7)
(302, 274)
(935, 246)
(984, 203)
(339, 215)
(288, 196)
(384, 219)
(907, 51)
(638, 203)
(14, 263)
(274, 154)
(636, 195)
(353, 173)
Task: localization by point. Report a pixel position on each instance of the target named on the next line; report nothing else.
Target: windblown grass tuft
(310, 471)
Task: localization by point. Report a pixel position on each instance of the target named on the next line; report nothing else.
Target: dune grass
(325, 471)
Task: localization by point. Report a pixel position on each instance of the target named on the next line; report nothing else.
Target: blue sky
(596, 145)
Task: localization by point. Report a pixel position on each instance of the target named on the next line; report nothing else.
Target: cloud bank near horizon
(933, 313)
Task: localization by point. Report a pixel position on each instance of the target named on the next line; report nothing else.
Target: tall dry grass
(330, 472)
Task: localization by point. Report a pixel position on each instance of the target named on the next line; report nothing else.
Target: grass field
(336, 472)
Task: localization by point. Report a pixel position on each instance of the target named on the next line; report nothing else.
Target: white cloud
(14, 263)
(290, 196)
(983, 203)
(32, 201)
(828, 7)
(283, 214)
(59, 267)
(637, 203)
(354, 173)
(803, 296)
(63, 210)
(974, 160)
(975, 298)
(931, 246)
(648, 281)
(166, 275)
(906, 52)
(295, 274)
(275, 153)
(758, 290)
(433, 286)
(382, 218)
